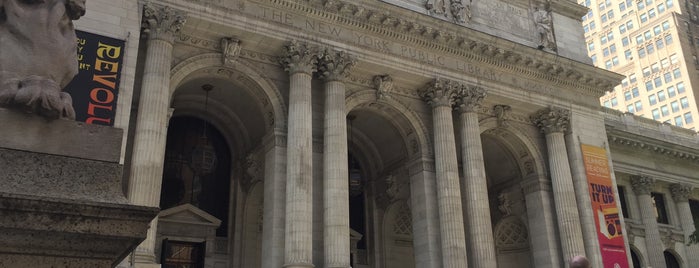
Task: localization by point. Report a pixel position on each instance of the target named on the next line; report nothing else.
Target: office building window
(673, 59)
(671, 91)
(625, 41)
(610, 14)
(675, 106)
(649, 49)
(628, 54)
(627, 95)
(652, 100)
(634, 92)
(651, 13)
(666, 25)
(680, 87)
(647, 35)
(644, 18)
(632, 78)
(614, 102)
(607, 104)
(639, 39)
(629, 25)
(684, 102)
(608, 64)
(615, 61)
(657, 82)
(605, 51)
(646, 72)
(655, 67)
(622, 6)
(610, 36)
(676, 73)
(664, 110)
(661, 8)
(603, 39)
(678, 121)
(664, 63)
(657, 30)
(688, 118)
(669, 5)
(594, 59)
(668, 39)
(639, 106)
(661, 95)
(604, 18)
(590, 46)
(629, 108)
(656, 114)
(641, 52)
(667, 77)
(625, 82)
(592, 25)
(660, 209)
(649, 86)
(659, 44)
(640, 5)
(612, 48)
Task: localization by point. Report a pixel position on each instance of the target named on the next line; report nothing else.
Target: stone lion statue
(38, 55)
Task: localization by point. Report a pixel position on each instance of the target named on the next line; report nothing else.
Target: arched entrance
(380, 137)
(240, 110)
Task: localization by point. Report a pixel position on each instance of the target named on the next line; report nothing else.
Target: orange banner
(606, 212)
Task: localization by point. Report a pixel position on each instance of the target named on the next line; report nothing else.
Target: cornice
(445, 37)
(637, 142)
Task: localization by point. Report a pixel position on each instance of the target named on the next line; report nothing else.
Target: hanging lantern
(203, 160)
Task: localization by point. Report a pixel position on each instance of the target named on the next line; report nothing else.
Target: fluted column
(439, 94)
(642, 186)
(477, 208)
(333, 67)
(554, 122)
(163, 24)
(300, 61)
(680, 193)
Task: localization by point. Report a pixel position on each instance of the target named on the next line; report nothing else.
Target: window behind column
(622, 201)
(694, 206)
(660, 208)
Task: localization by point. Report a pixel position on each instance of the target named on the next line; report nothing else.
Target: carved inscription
(503, 16)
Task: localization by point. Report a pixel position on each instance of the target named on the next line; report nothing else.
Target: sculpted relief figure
(436, 6)
(461, 12)
(38, 55)
(544, 27)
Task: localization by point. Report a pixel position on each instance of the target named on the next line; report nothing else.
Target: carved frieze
(458, 11)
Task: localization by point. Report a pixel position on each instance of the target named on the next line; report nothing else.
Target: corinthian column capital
(642, 184)
(552, 120)
(334, 65)
(680, 192)
(299, 58)
(469, 98)
(162, 22)
(439, 92)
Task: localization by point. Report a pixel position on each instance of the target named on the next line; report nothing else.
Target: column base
(298, 265)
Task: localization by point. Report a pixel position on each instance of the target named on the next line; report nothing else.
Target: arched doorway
(379, 135)
(635, 259)
(670, 260)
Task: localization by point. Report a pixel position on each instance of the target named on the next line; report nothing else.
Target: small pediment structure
(188, 214)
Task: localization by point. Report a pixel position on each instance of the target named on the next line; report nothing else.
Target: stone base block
(49, 232)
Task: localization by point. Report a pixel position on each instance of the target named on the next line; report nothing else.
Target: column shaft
(424, 209)
(687, 222)
(479, 226)
(654, 246)
(448, 190)
(336, 188)
(274, 201)
(564, 196)
(298, 249)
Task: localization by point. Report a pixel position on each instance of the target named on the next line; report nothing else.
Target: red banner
(605, 210)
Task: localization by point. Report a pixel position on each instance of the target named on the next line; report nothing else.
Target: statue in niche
(544, 27)
(436, 6)
(39, 55)
(461, 12)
